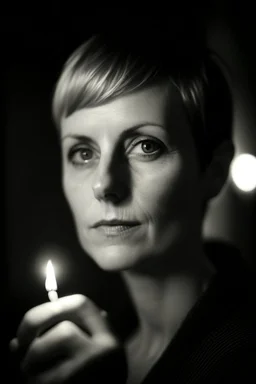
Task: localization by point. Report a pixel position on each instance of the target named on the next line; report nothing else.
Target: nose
(111, 183)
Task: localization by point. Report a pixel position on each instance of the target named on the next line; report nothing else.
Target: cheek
(78, 196)
(166, 190)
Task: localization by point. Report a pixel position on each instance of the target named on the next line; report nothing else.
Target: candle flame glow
(50, 281)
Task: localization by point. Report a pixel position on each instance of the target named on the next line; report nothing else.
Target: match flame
(50, 281)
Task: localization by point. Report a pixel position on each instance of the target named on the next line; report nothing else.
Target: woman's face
(132, 160)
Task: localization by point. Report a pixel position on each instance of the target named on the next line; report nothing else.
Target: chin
(115, 259)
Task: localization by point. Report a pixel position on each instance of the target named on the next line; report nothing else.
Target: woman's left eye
(147, 147)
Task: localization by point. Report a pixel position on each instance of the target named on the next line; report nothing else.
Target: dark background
(38, 223)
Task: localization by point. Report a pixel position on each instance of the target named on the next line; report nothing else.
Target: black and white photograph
(130, 193)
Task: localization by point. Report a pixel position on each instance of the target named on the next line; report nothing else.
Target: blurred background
(39, 226)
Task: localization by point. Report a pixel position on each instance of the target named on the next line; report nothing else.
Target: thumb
(87, 315)
(90, 317)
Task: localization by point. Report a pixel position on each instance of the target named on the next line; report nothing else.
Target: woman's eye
(147, 148)
(80, 156)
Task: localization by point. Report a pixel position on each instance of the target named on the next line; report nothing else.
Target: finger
(63, 340)
(76, 308)
(92, 317)
(79, 370)
(58, 374)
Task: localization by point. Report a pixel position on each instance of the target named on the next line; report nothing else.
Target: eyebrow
(123, 134)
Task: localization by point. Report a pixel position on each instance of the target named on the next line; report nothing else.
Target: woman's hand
(67, 341)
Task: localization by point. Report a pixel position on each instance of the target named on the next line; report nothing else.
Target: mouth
(112, 228)
(115, 223)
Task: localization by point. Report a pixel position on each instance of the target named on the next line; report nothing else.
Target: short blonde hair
(107, 66)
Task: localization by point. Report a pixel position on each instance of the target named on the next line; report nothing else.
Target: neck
(162, 299)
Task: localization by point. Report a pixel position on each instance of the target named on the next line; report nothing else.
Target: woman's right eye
(80, 156)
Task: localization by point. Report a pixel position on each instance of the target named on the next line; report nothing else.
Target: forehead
(153, 104)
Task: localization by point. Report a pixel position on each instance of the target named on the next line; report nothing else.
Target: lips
(115, 223)
(116, 230)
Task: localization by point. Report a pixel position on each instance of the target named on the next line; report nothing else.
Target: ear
(216, 174)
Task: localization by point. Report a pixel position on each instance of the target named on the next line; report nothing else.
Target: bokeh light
(243, 172)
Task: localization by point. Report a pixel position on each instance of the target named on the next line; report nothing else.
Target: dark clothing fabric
(217, 341)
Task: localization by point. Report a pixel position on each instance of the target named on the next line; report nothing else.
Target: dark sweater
(217, 341)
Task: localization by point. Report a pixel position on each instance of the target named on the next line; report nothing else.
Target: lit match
(50, 282)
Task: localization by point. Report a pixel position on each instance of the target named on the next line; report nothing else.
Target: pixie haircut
(107, 66)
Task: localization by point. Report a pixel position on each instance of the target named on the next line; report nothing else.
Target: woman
(146, 142)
